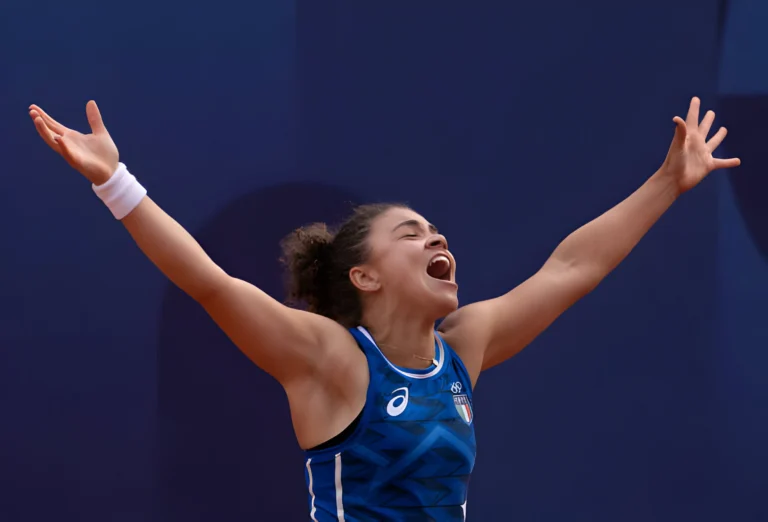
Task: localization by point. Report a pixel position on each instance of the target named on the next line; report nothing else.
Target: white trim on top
(339, 491)
(440, 350)
(312, 493)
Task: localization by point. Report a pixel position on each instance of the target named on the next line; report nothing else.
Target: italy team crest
(464, 407)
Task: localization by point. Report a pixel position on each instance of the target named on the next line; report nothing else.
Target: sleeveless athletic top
(409, 454)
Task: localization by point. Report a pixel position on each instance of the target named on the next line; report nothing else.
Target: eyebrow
(414, 223)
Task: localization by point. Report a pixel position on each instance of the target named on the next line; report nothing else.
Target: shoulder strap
(454, 358)
(363, 341)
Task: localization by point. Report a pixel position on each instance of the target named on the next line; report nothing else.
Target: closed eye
(409, 235)
(416, 225)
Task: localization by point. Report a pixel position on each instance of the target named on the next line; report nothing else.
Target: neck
(405, 338)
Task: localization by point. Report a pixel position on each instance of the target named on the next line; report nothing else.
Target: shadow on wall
(749, 181)
(225, 448)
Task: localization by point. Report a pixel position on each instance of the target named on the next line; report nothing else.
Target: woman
(380, 401)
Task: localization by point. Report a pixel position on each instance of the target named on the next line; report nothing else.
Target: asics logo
(395, 408)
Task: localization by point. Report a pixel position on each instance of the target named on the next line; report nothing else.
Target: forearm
(599, 246)
(173, 250)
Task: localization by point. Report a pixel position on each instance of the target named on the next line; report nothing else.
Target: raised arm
(489, 332)
(284, 342)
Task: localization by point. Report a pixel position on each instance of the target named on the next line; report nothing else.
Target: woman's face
(410, 263)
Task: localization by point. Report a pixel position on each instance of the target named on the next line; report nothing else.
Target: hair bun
(307, 255)
(319, 263)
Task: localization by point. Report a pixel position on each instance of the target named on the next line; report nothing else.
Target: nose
(437, 241)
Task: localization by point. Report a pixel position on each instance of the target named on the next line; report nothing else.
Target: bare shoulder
(326, 401)
(285, 342)
(467, 331)
(327, 349)
(337, 345)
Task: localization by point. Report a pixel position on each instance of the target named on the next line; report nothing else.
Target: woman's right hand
(93, 155)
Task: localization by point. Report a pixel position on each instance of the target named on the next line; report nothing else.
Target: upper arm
(285, 342)
(489, 332)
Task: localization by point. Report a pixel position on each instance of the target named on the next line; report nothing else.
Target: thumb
(681, 131)
(94, 118)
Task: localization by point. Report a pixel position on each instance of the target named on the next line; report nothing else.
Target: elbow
(580, 277)
(208, 290)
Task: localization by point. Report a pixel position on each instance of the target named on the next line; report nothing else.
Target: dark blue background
(508, 124)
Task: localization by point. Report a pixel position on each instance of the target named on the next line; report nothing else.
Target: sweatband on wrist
(121, 193)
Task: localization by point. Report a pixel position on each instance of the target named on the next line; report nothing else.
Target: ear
(364, 279)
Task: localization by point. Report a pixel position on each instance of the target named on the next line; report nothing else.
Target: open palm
(690, 157)
(94, 155)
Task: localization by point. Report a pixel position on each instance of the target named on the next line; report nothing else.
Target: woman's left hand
(690, 159)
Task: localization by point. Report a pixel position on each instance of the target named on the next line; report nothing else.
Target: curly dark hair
(318, 261)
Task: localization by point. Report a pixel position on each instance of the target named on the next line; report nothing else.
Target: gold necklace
(419, 357)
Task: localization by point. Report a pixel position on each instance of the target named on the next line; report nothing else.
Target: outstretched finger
(706, 123)
(45, 133)
(50, 122)
(717, 139)
(94, 118)
(681, 131)
(693, 113)
(725, 163)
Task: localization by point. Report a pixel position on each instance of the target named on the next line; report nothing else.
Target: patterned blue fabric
(412, 453)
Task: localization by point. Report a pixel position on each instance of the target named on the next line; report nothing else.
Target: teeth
(439, 258)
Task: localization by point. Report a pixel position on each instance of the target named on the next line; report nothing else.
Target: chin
(442, 304)
(450, 308)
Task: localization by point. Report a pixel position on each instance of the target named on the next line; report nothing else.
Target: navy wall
(743, 260)
(507, 124)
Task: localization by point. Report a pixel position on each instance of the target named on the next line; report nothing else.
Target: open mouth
(440, 267)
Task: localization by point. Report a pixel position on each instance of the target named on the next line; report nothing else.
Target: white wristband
(121, 193)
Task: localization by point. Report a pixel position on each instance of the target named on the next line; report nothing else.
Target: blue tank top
(410, 456)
